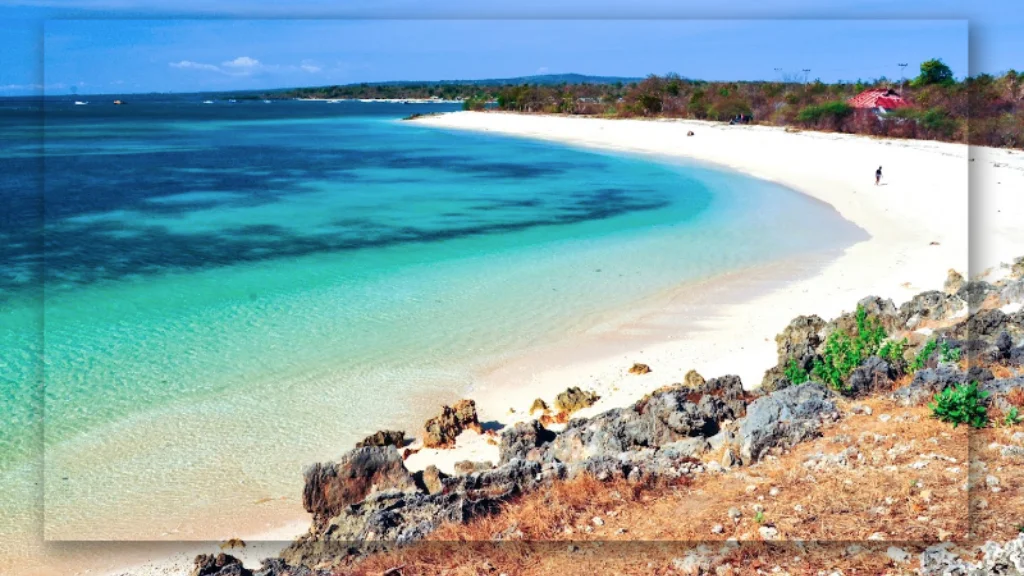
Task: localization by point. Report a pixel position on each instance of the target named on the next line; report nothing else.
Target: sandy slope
(917, 222)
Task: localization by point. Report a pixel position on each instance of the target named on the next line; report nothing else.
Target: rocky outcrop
(1005, 394)
(954, 282)
(927, 383)
(442, 430)
(465, 467)
(430, 480)
(693, 379)
(575, 399)
(383, 438)
(524, 441)
(798, 342)
(398, 517)
(996, 559)
(930, 307)
(639, 369)
(219, 565)
(784, 418)
(872, 376)
(330, 487)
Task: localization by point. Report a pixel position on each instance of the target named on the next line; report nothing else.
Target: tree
(934, 71)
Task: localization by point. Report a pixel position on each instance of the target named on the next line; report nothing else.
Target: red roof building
(885, 98)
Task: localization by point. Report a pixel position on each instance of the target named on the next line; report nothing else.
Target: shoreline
(918, 231)
(732, 338)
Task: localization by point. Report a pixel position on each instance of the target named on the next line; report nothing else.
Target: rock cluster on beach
(442, 430)
(369, 500)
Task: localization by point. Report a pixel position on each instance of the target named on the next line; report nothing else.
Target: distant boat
(266, 101)
(118, 102)
(232, 100)
(80, 103)
(207, 101)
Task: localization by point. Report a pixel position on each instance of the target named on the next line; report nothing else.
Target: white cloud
(542, 70)
(243, 62)
(188, 64)
(247, 66)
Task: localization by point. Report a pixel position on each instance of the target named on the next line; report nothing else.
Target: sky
(125, 46)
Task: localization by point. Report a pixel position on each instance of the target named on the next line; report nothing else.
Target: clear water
(233, 291)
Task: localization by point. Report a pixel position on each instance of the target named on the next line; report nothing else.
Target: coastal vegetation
(983, 110)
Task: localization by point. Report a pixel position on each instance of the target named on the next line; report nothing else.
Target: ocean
(198, 300)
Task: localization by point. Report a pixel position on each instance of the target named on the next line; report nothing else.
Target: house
(880, 100)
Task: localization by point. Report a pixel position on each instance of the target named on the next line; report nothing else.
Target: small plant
(948, 353)
(844, 352)
(893, 351)
(923, 355)
(961, 404)
(759, 517)
(796, 373)
(1012, 418)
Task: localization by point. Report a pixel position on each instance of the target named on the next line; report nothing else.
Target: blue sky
(120, 46)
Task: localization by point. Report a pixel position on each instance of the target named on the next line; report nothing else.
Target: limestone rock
(442, 430)
(927, 383)
(538, 406)
(784, 418)
(954, 282)
(872, 376)
(639, 368)
(383, 438)
(693, 379)
(465, 467)
(330, 487)
(575, 399)
(431, 479)
(523, 441)
(219, 565)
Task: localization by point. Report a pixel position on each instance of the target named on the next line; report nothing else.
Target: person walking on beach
(878, 175)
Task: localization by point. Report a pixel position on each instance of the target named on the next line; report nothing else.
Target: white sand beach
(918, 222)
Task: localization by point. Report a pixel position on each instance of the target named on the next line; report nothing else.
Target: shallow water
(233, 291)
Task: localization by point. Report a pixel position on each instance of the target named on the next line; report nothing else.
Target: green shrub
(1012, 418)
(833, 112)
(893, 351)
(844, 352)
(962, 404)
(923, 355)
(796, 373)
(948, 354)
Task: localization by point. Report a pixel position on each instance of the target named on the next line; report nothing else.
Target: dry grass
(818, 512)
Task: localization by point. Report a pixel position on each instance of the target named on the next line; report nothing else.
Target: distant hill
(540, 79)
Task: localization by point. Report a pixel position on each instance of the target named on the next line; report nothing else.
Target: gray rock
(932, 305)
(927, 383)
(464, 467)
(872, 375)
(218, 565)
(784, 418)
(523, 441)
(330, 487)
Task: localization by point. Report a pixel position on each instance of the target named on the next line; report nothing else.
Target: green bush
(923, 355)
(893, 351)
(796, 373)
(1012, 418)
(833, 112)
(844, 352)
(962, 404)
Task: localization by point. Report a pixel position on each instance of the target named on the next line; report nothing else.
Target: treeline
(984, 110)
(386, 91)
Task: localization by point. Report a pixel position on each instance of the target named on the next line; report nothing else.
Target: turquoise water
(234, 291)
